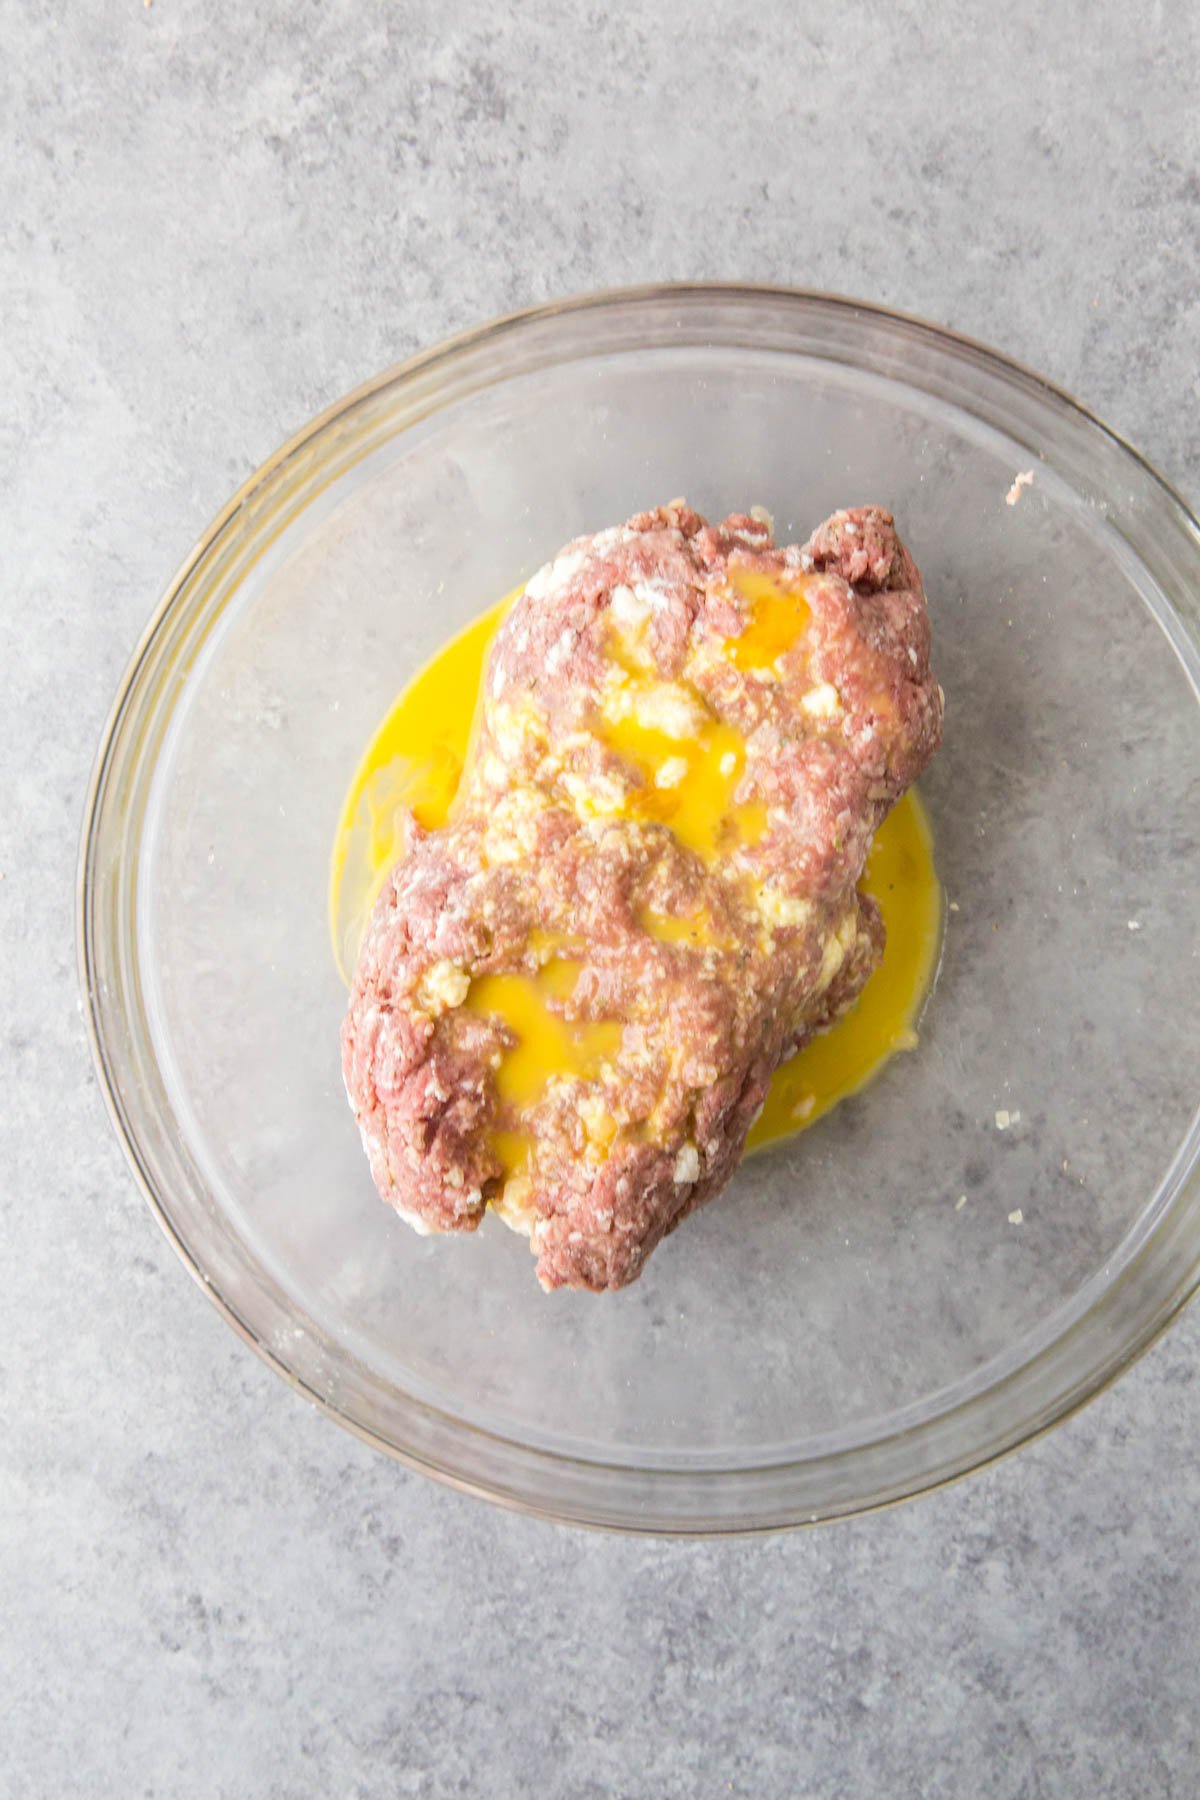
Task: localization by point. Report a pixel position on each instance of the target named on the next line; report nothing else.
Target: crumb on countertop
(1023, 480)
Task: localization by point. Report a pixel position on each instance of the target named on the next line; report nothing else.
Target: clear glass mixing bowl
(839, 1329)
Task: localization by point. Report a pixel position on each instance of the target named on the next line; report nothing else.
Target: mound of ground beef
(649, 672)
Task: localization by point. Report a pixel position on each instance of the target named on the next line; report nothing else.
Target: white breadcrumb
(443, 986)
(627, 608)
(1023, 480)
(687, 1166)
(783, 909)
(822, 702)
(664, 706)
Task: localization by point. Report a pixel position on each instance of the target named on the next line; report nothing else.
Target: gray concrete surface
(214, 219)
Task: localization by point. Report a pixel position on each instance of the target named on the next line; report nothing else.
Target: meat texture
(571, 999)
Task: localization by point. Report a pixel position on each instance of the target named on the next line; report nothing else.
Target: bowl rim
(520, 1499)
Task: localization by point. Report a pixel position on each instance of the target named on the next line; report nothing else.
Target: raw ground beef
(560, 850)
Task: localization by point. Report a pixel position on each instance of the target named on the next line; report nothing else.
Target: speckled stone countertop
(213, 220)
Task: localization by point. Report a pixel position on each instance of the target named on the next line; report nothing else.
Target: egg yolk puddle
(779, 617)
(901, 879)
(688, 776)
(694, 928)
(688, 783)
(413, 763)
(547, 1044)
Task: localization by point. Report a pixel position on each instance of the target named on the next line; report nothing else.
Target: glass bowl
(842, 1328)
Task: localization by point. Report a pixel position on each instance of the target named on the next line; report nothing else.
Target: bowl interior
(841, 1290)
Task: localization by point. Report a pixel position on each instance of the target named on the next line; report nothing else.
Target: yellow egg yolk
(688, 783)
(687, 762)
(413, 764)
(779, 617)
(546, 1043)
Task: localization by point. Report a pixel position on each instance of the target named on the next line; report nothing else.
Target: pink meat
(705, 1023)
